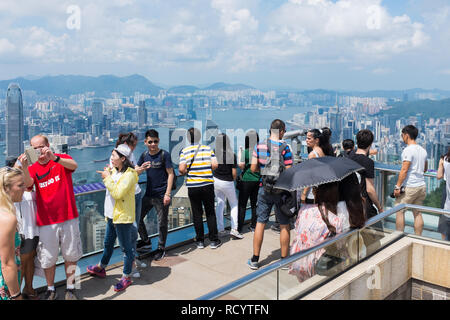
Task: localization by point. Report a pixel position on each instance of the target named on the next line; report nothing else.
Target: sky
(301, 44)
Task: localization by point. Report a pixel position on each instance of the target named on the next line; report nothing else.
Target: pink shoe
(124, 283)
(96, 271)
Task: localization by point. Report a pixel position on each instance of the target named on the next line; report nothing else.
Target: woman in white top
(318, 142)
(444, 219)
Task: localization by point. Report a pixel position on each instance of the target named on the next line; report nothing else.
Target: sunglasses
(153, 141)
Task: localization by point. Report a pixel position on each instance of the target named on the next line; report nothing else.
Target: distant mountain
(220, 86)
(183, 89)
(428, 108)
(103, 86)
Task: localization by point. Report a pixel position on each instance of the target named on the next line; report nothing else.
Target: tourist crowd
(39, 218)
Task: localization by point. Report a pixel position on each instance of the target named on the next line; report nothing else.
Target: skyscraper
(97, 112)
(14, 121)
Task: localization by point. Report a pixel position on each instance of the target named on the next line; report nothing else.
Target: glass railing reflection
(305, 271)
(385, 180)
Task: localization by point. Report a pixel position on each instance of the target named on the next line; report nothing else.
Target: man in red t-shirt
(57, 214)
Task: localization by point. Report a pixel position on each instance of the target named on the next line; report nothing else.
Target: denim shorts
(265, 204)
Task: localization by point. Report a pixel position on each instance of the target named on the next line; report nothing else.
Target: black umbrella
(316, 171)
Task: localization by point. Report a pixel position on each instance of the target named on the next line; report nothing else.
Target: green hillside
(428, 108)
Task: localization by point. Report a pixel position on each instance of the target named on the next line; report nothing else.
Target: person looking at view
(411, 177)
(444, 219)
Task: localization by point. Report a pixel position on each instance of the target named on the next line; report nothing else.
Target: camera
(402, 190)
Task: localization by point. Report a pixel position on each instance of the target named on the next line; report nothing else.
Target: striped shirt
(200, 173)
(261, 153)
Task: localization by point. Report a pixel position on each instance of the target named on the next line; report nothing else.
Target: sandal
(27, 296)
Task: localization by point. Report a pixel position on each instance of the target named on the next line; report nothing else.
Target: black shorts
(28, 245)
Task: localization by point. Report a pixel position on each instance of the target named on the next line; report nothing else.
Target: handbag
(289, 205)
(239, 181)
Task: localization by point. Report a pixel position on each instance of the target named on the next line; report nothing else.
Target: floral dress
(311, 230)
(4, 291)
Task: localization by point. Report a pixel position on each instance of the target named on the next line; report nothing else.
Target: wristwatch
(397, 187)
(57, 158)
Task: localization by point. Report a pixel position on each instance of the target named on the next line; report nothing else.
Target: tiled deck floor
(185, 273)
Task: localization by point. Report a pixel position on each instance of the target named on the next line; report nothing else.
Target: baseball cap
(123, 149)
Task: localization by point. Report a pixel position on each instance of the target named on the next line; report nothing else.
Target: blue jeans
(266, 201)
(125, 233)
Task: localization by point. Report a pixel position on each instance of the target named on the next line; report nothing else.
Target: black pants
(249, 189)
(162, 212)
(203, 197)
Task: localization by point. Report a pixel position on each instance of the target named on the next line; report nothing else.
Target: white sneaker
(236, 234)
(140, 264)
(135, 273)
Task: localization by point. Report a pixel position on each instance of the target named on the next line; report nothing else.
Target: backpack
(274, 166)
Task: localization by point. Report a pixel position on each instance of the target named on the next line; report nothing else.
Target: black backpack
(274, 166)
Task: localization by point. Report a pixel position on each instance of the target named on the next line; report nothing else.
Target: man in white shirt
(414, 165)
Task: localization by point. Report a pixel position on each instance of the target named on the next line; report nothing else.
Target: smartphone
(32, 154)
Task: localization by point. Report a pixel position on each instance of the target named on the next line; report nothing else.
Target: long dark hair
(324, 136)
(129, 138)
(126, 164)
(447, 156)
(224, 152)
(251, 138)
(327, 198)
(350, 192)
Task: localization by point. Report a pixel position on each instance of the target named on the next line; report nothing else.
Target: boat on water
(103, 160)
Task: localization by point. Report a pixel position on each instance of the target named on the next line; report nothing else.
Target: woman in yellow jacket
(120, 182)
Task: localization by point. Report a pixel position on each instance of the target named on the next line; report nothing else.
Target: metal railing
(250, 278)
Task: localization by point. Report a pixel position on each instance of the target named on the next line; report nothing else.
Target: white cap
(123, 149)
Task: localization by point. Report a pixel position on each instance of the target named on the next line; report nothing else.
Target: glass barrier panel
(264, 288)
(435, 191)
(311, 271)
(375, 237)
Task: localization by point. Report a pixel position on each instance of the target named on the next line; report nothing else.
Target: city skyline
(300, 44)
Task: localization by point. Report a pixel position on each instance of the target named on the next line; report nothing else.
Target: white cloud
(6, 46)
(382, 71)
(231, 35)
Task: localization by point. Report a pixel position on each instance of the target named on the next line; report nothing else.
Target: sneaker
(135, 273)
(253, 265)
(51, 295)
(200, 245)
(96, 271)
(70, 295)
(159, 254)
(143, 245)
(236, 234)
(140, 263)
(223, 233)
(276, 228)
(252, 229)
(124, 283)
(215, 244)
